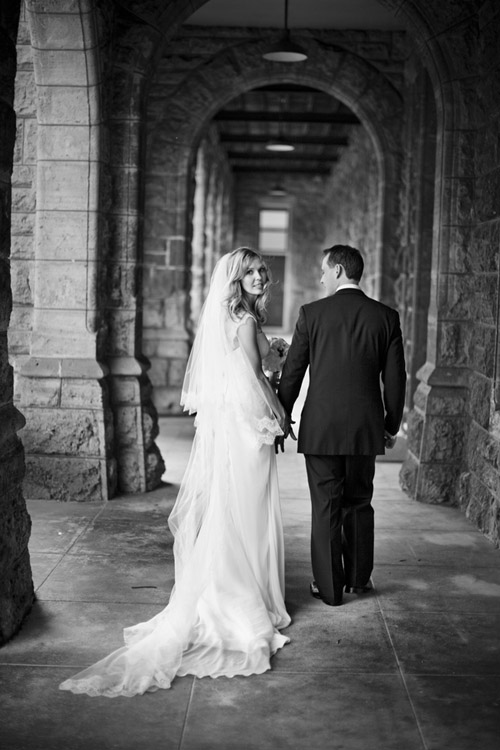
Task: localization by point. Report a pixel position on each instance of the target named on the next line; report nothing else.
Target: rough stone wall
(16, 587)
(23, 203)
(477, 297)
(439, 425)
(305, 199)
(171, 262)
(353, 205)
(80, 375)
(417, 217)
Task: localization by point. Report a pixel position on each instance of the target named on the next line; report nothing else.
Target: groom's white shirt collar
(346, 286)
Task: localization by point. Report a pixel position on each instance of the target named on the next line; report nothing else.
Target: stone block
(159, 372)
(25, 103)
(127, 425)
(174, 348)
(167, 400)
(437, 484)
(68, 236)
(65, 432)
(488, 196)
(82, 393)
(477, 501)
(77, 105)
(443, 401)
(63, 284)
(74, 142)
(30, 142)
(455, 344)
(63, 335)
(22, 224)
(23, 177)
(176, 371)
(67, 67)
(408, 475)
(64, 186)
(125, 391)
(122, 287)
(177, 252)
(40, 391)
(23, 199)
(153, 314)
(415, 431)
(484, 292)
(482, 354)
(483, 256)
(479, 400)
(22, 248)
(122, 332)
(443, 439)
(66, 478)
(131, 470)
(22, 282)
(64, 31)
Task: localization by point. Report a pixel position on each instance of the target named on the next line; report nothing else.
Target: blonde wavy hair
(237, 303)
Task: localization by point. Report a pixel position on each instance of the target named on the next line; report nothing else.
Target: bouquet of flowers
(274, 360)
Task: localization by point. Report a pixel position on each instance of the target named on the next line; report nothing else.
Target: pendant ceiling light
(279, 144)
(277, 191)
(285, 50)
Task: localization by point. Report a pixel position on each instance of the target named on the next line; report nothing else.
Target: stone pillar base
(437, 427)
(69, 434)
(140, 464)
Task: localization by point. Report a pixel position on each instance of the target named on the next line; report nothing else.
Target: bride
(226, 608)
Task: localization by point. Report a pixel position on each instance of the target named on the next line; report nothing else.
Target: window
(273, 244)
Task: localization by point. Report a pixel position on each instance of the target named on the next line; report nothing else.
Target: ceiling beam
(334, 118)
(308, 140)
(280, 171)
(285, 156)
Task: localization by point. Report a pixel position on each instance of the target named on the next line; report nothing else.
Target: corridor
(413, 666)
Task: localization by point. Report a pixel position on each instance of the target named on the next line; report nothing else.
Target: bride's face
(254, 280)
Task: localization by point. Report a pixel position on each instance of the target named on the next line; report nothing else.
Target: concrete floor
(414, 665)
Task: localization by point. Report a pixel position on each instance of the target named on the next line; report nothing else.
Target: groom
(353, 347)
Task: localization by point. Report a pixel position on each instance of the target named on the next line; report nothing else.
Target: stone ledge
(48, 367)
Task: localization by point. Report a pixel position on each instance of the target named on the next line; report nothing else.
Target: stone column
(438, 423)
(69, 438)
(16, 587)
(140, 464)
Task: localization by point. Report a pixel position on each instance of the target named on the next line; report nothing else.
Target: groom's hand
(389, 440)
(279, 442)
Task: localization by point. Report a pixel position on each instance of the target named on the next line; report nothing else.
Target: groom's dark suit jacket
(354, 349)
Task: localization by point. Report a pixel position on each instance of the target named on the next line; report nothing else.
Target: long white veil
(204, 379)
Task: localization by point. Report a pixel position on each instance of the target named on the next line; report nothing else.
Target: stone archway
(171, 155)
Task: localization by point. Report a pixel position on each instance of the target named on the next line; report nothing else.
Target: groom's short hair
(348, 257)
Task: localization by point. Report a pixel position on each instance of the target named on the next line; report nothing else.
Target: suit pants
(342, 532)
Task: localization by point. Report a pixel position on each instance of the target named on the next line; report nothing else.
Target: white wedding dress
(226, 608)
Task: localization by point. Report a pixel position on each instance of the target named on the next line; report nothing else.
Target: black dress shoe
(359, 589)
(313, 588)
